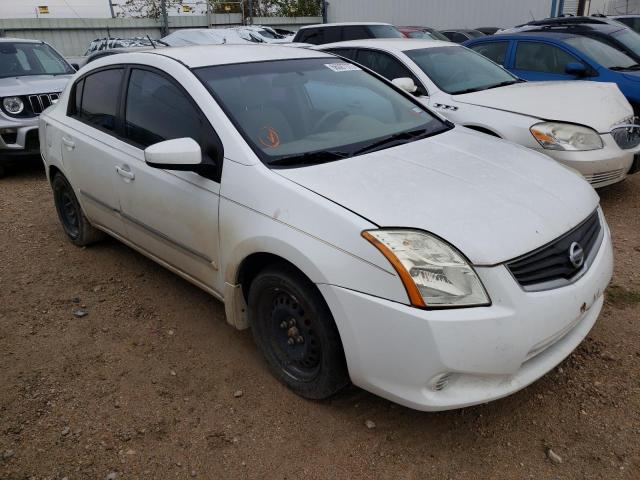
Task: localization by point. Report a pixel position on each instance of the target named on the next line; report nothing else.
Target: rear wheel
(295, 331)
(73, 221)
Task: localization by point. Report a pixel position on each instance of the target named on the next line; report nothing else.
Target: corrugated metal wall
(440, 13)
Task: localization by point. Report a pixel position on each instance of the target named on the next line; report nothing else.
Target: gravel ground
(152, 383)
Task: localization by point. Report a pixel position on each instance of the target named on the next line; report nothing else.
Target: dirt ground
(146, 385)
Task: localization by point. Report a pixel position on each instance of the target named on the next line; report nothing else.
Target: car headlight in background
(433, 273)
(13, 105)
(566, 136)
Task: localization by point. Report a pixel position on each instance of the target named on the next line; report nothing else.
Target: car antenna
(152, 44)
(532, 16)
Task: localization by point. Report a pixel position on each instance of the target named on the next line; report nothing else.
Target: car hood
(598, 105)
(491, 199)
(28, 85)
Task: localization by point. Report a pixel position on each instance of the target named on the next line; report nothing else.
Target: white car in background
(266, 34)
(366, 239)
(208, 36)
(583, 125)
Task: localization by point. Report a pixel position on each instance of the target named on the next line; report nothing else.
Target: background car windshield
(629, 39)
(20, 59)
(289, 108)
(459, 70)
(602, 53)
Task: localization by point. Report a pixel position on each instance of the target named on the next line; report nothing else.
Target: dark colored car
(340, 32)
(461, 36)
(422, 32)
(631, 21)
(604, 29)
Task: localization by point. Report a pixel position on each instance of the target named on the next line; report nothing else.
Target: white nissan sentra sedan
(584, 125)
(359, 235)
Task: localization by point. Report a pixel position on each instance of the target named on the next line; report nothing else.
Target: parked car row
(356, 204)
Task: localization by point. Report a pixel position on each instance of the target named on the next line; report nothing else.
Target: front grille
(32, 142)
(602, 177)
(551, 266)
(42, 101)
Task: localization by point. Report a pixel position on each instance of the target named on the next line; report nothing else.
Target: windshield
(22, 59)
(457, 70)
(303, 111)
(604, 54)
(629, 39)
(474, 33)
(384, 31)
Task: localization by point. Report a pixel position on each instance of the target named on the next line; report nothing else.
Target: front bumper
(397, 351)
(602, 167)
(18, 137)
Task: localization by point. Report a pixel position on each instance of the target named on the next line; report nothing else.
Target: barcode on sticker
(341, 67)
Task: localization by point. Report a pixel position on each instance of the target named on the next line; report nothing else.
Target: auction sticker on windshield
(341, 67)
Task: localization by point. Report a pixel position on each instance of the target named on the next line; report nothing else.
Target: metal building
(457, 13)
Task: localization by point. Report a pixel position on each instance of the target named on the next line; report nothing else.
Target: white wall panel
(440, 13)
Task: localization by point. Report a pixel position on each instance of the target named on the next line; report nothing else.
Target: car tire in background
(72, 219)
(293, 327)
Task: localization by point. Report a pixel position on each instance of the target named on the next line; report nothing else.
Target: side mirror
(75, 66)
(178, 154)
(576, 69)
(405, 83)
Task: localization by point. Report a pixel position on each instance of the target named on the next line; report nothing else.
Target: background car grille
(549, 266)
(602, 177)
(41, 101)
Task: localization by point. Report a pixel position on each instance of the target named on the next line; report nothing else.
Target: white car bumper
(399, 352)
(600, 168)
(18, 137)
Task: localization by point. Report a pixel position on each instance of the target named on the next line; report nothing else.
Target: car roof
(397, 44)
(210, 55)
(20, 40)
(342, 24)
(533, 35)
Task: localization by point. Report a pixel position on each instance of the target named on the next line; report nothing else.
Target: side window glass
(496, 51)
(157, 110)
(354, 32)
(542, 57)
(387, 66)
(331, 34)
(313, 36)
(74, 108)
(100, 98)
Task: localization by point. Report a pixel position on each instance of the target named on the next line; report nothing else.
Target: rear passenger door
(495, 51)
(539, 61)
(89, 148)
(172, 215)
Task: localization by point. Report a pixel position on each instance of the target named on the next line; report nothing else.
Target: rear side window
(331, 34)
(354, 32)
(157, 110)
(311, 35)
(542, 57)
(496, 51)
(100, 98)
(455, 37)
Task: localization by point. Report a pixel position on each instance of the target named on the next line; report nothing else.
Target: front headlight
(434, 273)
(13, 105)
(566, 136)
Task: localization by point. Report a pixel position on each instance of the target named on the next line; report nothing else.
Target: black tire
(70, 214)
(294, 329)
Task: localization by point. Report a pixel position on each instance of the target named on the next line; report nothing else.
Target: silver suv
(32, 76)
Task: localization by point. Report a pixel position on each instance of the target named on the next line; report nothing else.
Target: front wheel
(73, 221)
(295, 331)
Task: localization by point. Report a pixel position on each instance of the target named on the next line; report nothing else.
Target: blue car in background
(562, 56)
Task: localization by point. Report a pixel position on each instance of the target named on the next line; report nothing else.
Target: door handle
(125, 172)
(70, 144)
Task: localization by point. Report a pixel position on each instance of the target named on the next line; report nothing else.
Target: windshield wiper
(480, 89)
(632, 67)
(309, 158)
(396, 138)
